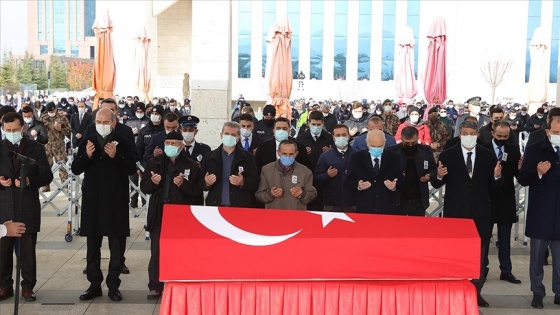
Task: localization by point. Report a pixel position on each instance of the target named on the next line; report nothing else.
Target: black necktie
(16, 146)
(316, 137)
(557, 152)
(376, 166)
(500, 154)
(187, 150)
(81, 117)
(342, 153)
(469, 163)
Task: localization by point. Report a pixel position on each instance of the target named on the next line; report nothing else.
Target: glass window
(413, 20)
(269, 18)
(60, 27)
(40, 20)
(48, 18)
(388, 40)
(79, 20)
(89, 17)
(340, 39)
(533, 21)
(316, 56)
(91, 52)
(72, 20)
(75, 51)
(244, 45)
(554, 42)
(44, 49)
(364, 40)
(293, 13)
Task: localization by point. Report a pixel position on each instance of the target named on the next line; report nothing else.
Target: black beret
(50, 106)
(269, 110)
(158, 109)
(140, 105)
(174, 135)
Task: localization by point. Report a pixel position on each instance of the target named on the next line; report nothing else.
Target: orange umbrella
(142, 64)
(280, 85)
(104, 64)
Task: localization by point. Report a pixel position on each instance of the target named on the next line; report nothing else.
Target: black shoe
(557, 299)
(85, 271)
(91, 293)
(510, 278)
(537, 301)
(481, 301)
(115, 295)
(125, 269)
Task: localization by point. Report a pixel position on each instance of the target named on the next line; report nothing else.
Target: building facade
(61, 27)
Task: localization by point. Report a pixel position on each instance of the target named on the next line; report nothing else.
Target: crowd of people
(377, 158)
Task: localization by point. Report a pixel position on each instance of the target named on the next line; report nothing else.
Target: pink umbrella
(142, 64)
(435, 81)
(280, 85)
(404, 74)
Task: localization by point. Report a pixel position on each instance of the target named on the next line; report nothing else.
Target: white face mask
(81, 110)
(103, 130)
(475, 110)
(121, 106)
(28, 120)
(325, 114)
(414, 118)
(378, 112)
(443, 114)
(468, 142)
(139, 115)
(512, 117)
(555, 140)
(51, 114)
(246, 133)
(188, 136)
(155, 118)
(172, 108)
(357, 115)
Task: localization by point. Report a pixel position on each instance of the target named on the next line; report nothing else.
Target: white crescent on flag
(213, 220)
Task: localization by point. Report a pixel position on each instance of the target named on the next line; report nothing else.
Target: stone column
(211, 67)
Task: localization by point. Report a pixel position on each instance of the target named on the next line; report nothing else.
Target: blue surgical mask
(341, 142)
(287, 160)
(376, 152)
(315, 130)
(13, 137)
(171, 151)
(280, 135)
(229, 141)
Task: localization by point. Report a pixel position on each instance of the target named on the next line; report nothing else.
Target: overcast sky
(13, 26)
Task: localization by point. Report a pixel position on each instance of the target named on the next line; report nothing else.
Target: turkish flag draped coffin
(224, 244)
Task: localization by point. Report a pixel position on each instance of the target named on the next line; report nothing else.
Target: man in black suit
(11, 195)
(33, 129)
(316, 141)
(79, 122)
(193, 149)
(417, 162)
(473, 171)
(486, 132)
(107, 159)
(267, 151)
(376, 176)
(248, 140)
(157, 143)
(504, 206)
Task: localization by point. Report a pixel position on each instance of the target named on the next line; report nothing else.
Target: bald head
(376, 138)
(105, 117)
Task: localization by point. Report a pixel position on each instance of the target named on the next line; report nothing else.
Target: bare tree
(494, 72)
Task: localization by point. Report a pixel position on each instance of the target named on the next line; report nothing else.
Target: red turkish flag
(216, 244)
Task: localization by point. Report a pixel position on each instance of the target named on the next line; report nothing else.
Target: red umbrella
(104, 64)
(280, 86)
(435, 80)
(404, 74)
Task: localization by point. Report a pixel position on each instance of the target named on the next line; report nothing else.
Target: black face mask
(410, 148)
(500, 143)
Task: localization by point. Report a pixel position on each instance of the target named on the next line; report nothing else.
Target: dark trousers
(479, 283)
(412, 207)
(28, 261)
(504, 247)
(536, 262)
(153, 266)
(117, 247)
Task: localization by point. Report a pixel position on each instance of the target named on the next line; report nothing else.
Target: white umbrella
(538, 75)
(142, 63)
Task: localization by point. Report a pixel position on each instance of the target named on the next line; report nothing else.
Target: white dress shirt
(496, 149)
(3, 230)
